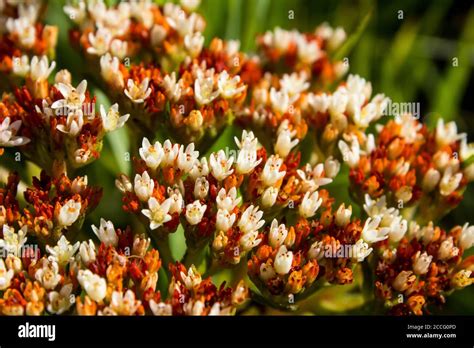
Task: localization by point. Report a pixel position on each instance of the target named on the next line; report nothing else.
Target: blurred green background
(405, 48)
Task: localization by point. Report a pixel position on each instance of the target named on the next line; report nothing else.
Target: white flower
(151, 154)
(76, 13)
(171, 152)
(118, 48)
(201, 188)
(249, 240)
(309, 204)
(63, 252)
(24, 29)
(251, 220)
(193, 43)
(110, 71)
(81, 156)
(319, 102)
(312, 178)
(227, 200)
(187, 158)
(421, 263)
(69, 213)
(60, 302)
(271, 172)
(72, 97)
(350, 154)
(143, 186)
(8, 133)
(74, 123)
(466, 240)
(284, 142)
(221, 165)
(308, 52)
(376, 207)
(267, 272)
(204, 90)
(172, 87)
(283, 260)
(294, 85)
(247, 161)
(316, 251)
(192, 279)
(224, 220)
(371, 233)
(339, 102)
(5, 276)
(404, 281)
(157, 213)
(449, 182)
(447, 250)
(199, 169)
(343, 215)
(280, 100)
(79, 184)
(360, 250)
(178, 20)
(176, 199)
(398, 228)
(99, 41)
(447, 134)
(138, 93)
(21, 65)
(48, 275)
(111, 120)
(124, 304)
(228, 86)
(195, 212)
(190, 5)
(157, 35)
(87, 252)
(106, 232)
(430, 180)
(249, 141)
(94, 285)
(40, 68)
(161, 308)
(13, 242)
(466, 150)
(269, 197)
(277, 234)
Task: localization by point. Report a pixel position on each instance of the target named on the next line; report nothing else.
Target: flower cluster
(22, 36)
(117, 277)
(413, 167)
(289, 51)
(56, 206)
(262, 213)
(417, 266)
(58, 124)
(195, 102)
(135, 29)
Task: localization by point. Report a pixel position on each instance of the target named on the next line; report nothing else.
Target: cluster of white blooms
(208, 85)
(383, 222)
(23, 27)
(111, 24)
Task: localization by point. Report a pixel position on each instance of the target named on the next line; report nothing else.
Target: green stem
(193, 257)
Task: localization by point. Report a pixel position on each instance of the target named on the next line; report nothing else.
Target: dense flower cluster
(413, 167)
(58, 123)
(258, 216)
(22, 36)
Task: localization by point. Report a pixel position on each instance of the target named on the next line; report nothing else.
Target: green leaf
(350, 43)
